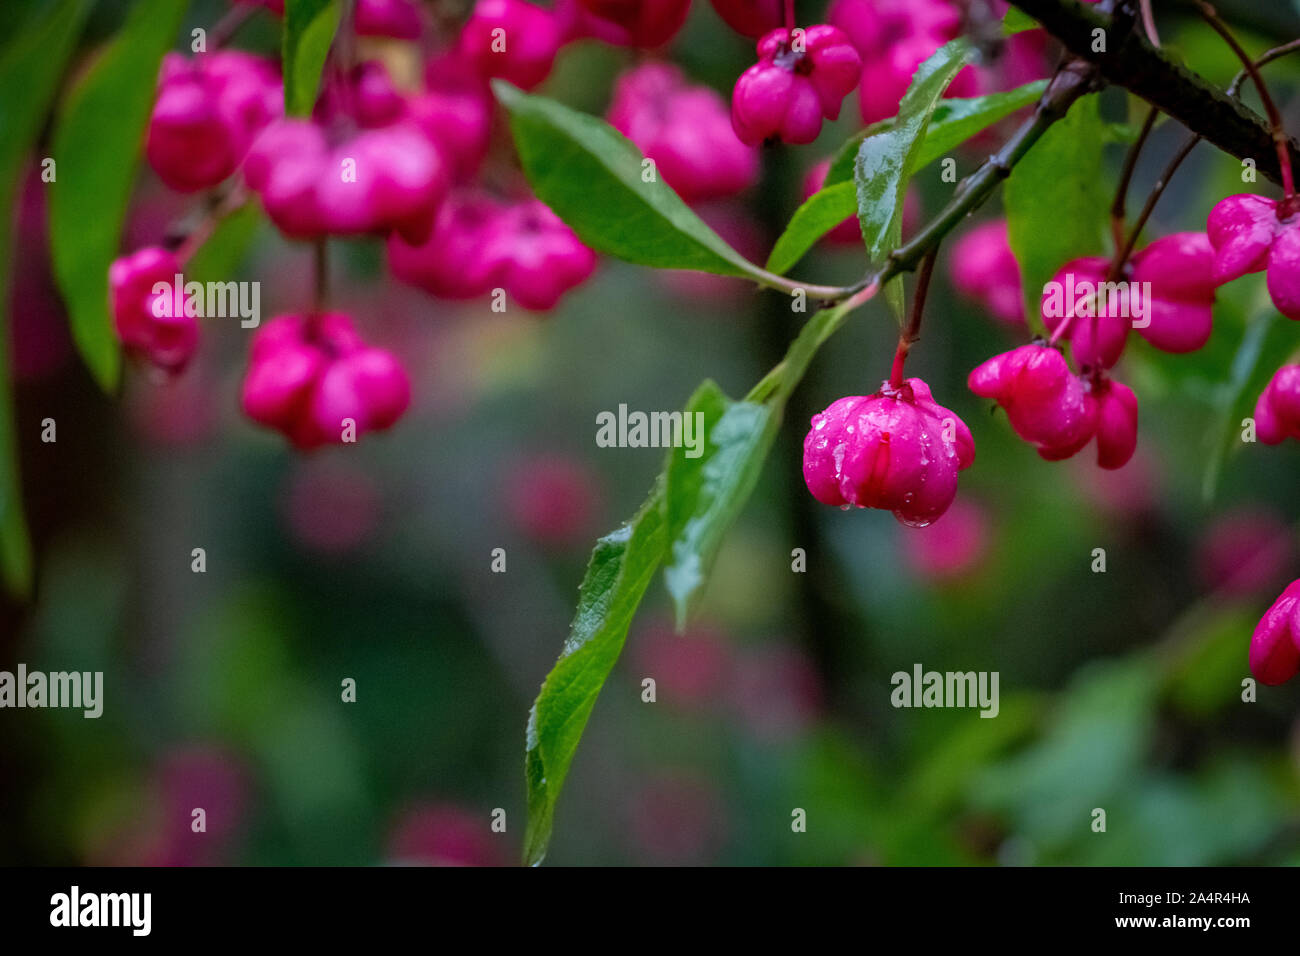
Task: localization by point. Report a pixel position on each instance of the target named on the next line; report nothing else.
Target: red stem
(913, 330)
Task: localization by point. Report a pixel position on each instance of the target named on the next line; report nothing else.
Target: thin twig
(913, 330)
(1129, 60)
(1234, 89)
(1270, 108)
(1126, 177)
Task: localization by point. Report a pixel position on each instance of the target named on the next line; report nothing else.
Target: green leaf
(1265, 345)
(704, 495)
(218, 258)
(309, 28)
(822, 212)
(33, 62)
(841, 168)
(708, 494)
(1089, 750)
(957, 120)
(97, 145)
(618, 573)
(589, 174)
(885, 162)
(1017, 21)
(1056, 201)
(954, 121)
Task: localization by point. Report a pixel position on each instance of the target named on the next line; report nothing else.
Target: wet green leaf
(591, 177)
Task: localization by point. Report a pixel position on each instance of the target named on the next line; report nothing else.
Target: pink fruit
(1180, 268)
(685, 129)
(1046, 404)
(896, 450)
(399, 19)
(1245, 552)
(985, 269)
(207, 113)
(1275, 645)
(1117, 423)
(1098, 323)
(480, 244)
(511, 39)
(800, 77)
(893, 37)
(1248, 236)
(1277, 411)
(691, 671)
(377, 181)
(451, 264)
(454, 111)
(552, 500)
(310, 376)
(444, 834)
(150, 323)
(536, 257)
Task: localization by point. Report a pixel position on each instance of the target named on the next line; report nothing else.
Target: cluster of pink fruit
(377, 157)
(863, 458)
(898, 450)
(400, 158)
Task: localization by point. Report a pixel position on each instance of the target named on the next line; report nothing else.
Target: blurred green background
(1119, 690)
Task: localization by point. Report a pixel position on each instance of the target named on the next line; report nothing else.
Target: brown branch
(1131, 61)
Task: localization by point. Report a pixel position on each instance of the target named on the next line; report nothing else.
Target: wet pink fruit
(1046, 403)
(1098, 330)
(1275, 645)
(1277, 411)
(1180, 268)
(1248, 236)
(896, 450)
